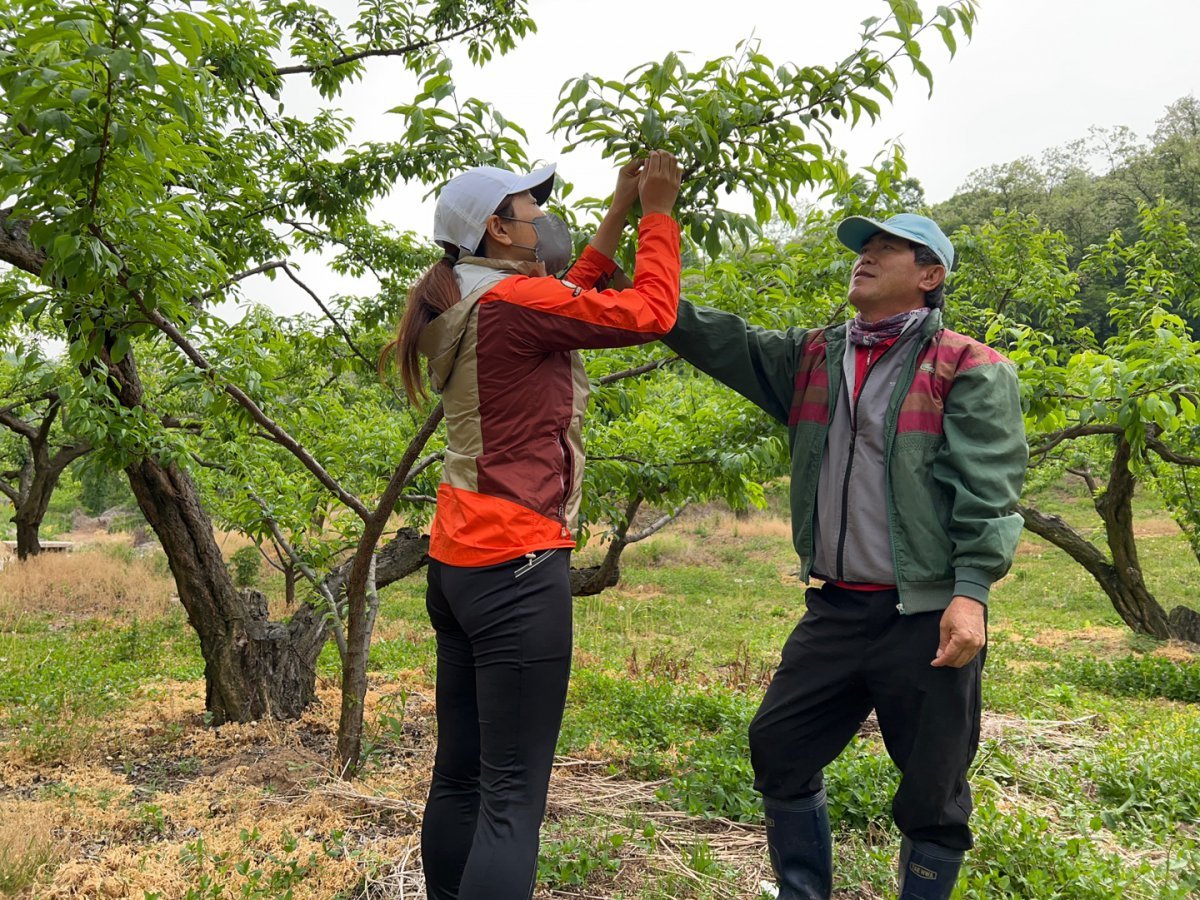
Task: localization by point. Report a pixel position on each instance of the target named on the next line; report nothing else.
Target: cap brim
(857, 230)
(539, 182)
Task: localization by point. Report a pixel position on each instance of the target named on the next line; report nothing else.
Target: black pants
(853, 651)
(504, 658)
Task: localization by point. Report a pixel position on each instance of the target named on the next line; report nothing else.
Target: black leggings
(504, 658)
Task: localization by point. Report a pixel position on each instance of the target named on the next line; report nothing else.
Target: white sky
(1037, 74)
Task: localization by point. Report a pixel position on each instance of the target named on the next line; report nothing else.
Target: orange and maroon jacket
(515, 390)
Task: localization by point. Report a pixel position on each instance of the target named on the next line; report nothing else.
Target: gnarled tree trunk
(1121, 576)
(253, 668)
(28, 543)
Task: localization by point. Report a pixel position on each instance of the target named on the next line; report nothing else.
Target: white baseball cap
(468, 200)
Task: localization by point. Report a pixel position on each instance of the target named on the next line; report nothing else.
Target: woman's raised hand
(658, 183)
(627, 185)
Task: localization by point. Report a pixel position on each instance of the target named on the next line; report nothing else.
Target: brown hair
(435, 292)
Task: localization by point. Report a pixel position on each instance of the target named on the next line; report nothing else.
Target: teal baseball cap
(857, 230)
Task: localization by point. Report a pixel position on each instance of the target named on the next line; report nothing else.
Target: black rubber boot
(801, 847)
(927, 870)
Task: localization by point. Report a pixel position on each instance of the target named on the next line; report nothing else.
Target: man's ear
(931, 278)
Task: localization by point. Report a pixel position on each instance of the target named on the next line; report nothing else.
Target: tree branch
(347, 58)
(657, 465)
(15, 247)
(287, 270)
(267, 557)
(1055, 438)
(8, 490)
(404, 470)
(1170, 455)
(423, 465)
(637, 370)
(67, 455)
(43, 432)
(1056, 530)
(1088, 479)
(335, 620)
(26, 402)
(242, 276)
(326, 237)
(18, 425)
(657, 525)
(272, 429)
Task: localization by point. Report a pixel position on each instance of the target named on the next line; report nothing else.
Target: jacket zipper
(841, 550)
(905, 380)
(564, 478)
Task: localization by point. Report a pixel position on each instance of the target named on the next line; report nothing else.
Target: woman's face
(517, 227)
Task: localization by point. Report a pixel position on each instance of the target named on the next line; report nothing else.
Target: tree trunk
(27, 537)
(402, 556)
(1185, 624)
(32, 509)
(253, 668)
(38, 476)
(1135, 604)
(608, 573)
(1121, 578)
(1122, 594)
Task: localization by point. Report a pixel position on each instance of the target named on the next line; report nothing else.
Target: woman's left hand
(627, 186)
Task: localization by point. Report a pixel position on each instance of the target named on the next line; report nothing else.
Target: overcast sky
(1037, 74)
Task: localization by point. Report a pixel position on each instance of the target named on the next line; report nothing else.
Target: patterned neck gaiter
(868, 334)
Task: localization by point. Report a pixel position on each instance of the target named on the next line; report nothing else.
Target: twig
(637, 370)
(341, 329)
(388, 51)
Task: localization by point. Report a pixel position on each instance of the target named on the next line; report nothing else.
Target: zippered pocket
(568, 473)
(535, 560)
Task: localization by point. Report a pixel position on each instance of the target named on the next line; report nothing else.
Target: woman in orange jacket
(501, 336)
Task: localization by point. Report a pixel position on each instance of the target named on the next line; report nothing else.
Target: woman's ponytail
(435, 293)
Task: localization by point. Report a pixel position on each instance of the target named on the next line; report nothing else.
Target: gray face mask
(554, 245)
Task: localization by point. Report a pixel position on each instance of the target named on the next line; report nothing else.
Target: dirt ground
(161, 801)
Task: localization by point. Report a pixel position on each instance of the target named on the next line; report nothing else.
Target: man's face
(886, 279)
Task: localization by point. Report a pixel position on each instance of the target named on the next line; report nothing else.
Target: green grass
(1088, 787)
(57, 681)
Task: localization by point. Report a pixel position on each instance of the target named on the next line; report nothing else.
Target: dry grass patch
(85, 583)
(755, 526)
(1099, 641)
(664, 841)
(160, 803)
(29, 849)
(1161, 526)
(1104, 642)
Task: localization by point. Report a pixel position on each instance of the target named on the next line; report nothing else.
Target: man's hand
(627, 186)
(964, 633)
